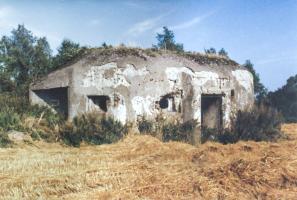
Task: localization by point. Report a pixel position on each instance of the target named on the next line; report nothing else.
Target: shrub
(69, 136)
(145, 126)
(46, 113)
(179, 131)
(9, 120)
(92, 128)
(208, 134)
(262, 123)
(13, 103)
(35, 135)
(20, 106)
(4, 140)
(227, 137)
(39, 121)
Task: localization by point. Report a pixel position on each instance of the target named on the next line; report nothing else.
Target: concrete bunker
(102, 101)
(127, 83)
(211, 111)
(55, 98)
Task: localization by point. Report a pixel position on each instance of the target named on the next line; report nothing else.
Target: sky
(263, 31)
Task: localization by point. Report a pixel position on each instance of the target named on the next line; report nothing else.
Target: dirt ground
(142, 167)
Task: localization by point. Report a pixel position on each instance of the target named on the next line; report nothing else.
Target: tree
(67, 51)
(104, 45)
(223, 53)
(23, 57)
(166, 41)
(285, 99)
(259, 88)
(42, 58)
(210, 51)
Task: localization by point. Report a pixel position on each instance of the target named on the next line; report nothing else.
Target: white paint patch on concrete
(95, 77)
(226, 103)
(119, 113)
(202, 77)
(199, 78)
(244, 78)
(174, 73)
(130, 71)
(142, 106)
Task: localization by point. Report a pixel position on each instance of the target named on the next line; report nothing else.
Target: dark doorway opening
(211, 112)
(101, 101)
(56, 98)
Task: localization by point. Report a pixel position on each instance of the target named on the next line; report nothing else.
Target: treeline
(25, 57)
(283, 99)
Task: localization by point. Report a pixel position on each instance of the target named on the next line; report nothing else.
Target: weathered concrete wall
(135, 86)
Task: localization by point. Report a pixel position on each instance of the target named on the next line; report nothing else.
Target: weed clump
(9, 120)
(179, 131)
(168, 130)
(262, 123)
(16, 113)
(145, 126)
(4, 140)
(92, 128)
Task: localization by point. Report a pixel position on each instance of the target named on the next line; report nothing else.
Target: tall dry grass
(142, 167)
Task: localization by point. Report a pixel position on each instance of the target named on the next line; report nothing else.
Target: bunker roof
(91, 54)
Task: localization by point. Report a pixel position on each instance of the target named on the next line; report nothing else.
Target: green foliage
(92, 128)
(69, 135)
(67, 52)
(6, 85)
(24, 57)
(213, 51)
(35, 135)
(223, 53)
(208, 134)
(179, 131)
(262, 123)
(259, 88)
(167, 130)
(166, 41)
(4, 140)
(9, 121)
(46, 113)
(145, 126)
(210, 51)
(285, 99)
(15, 108)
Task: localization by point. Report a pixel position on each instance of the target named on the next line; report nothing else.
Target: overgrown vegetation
(146, 126)
(168, 130)
(212, 51)
(16, 113)
(179, 131)
(92, 128)
(4, 140)
(285, 99)
(262, 123)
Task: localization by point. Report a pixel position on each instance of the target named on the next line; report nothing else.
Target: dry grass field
(142, 167)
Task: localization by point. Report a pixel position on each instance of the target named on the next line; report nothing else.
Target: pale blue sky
(264, 31)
